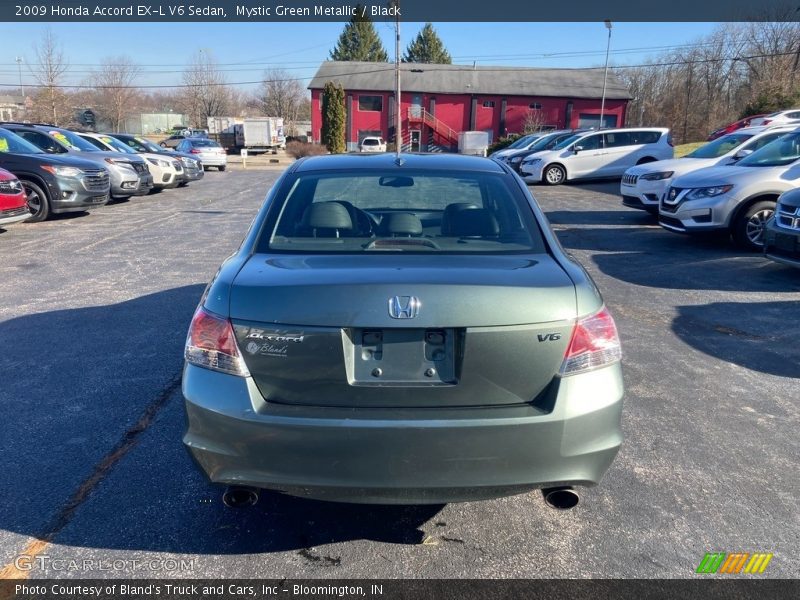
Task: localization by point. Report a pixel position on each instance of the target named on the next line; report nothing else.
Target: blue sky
(246, 49)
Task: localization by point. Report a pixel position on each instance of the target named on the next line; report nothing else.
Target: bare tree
(534, 121)
(50, 101)
(116, 94)
(280, 95)
(205, 93)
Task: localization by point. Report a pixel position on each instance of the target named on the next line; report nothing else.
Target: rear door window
(617, 139)
(645, 137)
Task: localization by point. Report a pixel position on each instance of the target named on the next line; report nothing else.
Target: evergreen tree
(359, 41)
(333, 117)
(427, 48)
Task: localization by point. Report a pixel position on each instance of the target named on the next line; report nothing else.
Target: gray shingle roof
(464, 79)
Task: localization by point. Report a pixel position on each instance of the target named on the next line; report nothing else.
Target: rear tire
(38, 202)
(554, 175)
(748, 229)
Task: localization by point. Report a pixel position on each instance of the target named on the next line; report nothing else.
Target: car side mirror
(742, 153)
(577, 149)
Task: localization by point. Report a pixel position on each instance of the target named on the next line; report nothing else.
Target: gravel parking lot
(93, 315)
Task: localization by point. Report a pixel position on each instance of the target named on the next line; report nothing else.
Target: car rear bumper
(402, 456)
(214, 161)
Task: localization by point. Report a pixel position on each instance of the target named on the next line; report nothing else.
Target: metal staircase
(446, 134)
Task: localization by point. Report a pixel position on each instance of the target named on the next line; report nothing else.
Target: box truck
(473, 142)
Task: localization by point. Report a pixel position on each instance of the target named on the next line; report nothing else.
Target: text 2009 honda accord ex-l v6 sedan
(402, 330)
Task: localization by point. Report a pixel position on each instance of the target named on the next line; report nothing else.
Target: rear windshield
(720, 146)
(370, 142)
(204, 144)
(413, 211)
(13, 144)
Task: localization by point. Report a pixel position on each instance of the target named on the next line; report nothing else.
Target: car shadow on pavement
(80, 383)
(761, 336)
(601, 217)
(74, 382)
(656, 258)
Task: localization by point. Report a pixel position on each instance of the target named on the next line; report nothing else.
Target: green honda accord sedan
(402, 329)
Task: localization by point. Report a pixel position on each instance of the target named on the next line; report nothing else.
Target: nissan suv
(53, 184)
(642, 186)
(738, 199)
(129, 174)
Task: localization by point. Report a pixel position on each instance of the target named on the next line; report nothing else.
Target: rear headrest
(449, 211)
(474, 222)
(401, 224)
(328, 215)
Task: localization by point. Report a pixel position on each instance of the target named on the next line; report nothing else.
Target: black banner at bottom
(418, 589)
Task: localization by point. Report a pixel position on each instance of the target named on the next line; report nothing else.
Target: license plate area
(402, 357)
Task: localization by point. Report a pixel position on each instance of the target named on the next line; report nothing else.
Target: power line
(391, 68)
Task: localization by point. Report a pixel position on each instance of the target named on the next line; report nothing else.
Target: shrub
(301, 149)
(502, 143)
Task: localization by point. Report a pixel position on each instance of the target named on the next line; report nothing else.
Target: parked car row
(566, 156)
(731, 185)
(60, 171)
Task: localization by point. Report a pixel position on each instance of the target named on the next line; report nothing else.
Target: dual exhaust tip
(240, 496)
(559, 498)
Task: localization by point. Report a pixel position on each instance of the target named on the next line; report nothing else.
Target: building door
(416, 105)
(415, 139)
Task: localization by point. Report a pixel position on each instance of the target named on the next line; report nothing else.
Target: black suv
(53, 184)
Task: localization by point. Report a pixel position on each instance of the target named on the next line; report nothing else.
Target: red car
(733, 127)
(13, 207)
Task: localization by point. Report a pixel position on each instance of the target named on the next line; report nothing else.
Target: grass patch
(684, 149)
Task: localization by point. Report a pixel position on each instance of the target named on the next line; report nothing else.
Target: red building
(439, 101)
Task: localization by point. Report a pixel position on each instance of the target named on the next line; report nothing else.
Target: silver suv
(643, 186)
(739, 199)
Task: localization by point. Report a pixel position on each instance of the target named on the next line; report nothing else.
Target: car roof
(621, 129)
(756, 129)
(408, 161)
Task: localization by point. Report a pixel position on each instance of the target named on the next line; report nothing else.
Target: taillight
(193, 151)
(211, 344)
(594, 344)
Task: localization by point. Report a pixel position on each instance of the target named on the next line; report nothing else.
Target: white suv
(372, 144)
(605, 153)
(739, 199)
(642, 186)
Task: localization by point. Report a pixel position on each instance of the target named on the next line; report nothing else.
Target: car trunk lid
(324, 330)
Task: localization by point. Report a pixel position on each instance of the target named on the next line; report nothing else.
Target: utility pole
(19, 66)
(605, 75)
(398, 136)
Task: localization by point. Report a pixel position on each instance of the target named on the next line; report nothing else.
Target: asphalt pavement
(93, 315)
